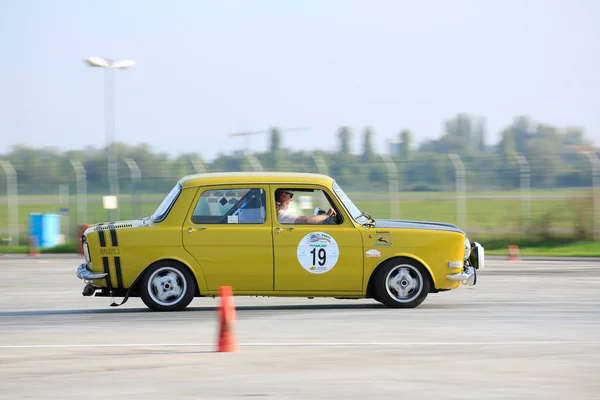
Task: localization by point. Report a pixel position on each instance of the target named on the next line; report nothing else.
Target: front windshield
(164, 207)
(352, 209)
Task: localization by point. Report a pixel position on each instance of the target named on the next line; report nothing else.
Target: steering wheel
(318, 211)
(331, 220)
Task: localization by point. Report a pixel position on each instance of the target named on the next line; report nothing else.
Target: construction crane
(247, 135)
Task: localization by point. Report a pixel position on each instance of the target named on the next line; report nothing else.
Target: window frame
(310, 188)
(222, 219)
(167, 206)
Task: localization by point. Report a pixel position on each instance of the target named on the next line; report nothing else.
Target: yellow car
(272, 234)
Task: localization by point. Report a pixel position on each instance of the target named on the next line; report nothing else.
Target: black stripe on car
(107, 270)
(101, 235)
(119, 273)
(113, 237)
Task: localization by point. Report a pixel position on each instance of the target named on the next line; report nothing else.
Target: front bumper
(84, 272)
(473, 263)
(468, 277)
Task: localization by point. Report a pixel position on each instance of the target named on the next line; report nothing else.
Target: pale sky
(205, 69)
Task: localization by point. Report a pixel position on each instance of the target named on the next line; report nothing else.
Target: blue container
(45, 228)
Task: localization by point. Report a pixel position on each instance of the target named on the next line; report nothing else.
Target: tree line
(555, 155)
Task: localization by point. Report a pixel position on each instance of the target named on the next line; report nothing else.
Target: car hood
(405, 224)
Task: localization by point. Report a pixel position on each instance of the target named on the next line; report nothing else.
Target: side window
(300, 206)
(231, 206)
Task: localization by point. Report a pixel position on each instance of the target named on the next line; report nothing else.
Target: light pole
(109, 112)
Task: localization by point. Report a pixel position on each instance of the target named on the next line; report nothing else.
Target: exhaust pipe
(88, 290)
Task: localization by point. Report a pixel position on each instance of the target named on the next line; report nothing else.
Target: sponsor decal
(317, 252)
(373, 253)
(383, 241)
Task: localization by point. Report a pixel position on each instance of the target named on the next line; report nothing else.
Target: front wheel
(167, 286)
(401, 283)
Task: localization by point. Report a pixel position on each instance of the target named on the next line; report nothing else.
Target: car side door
(316, 257)
(228, 232)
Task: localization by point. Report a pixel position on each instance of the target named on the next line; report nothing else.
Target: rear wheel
(167, 286)
(401, 283)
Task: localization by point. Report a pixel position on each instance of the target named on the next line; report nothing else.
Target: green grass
(495, 244)
(566, 192)
(60, 249)
(494, 213)
(485, 217)
(576, 249)
(481, 213)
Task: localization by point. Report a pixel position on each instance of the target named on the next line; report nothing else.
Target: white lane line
(300, 344)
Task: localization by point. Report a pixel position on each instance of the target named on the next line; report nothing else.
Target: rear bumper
(84, 272)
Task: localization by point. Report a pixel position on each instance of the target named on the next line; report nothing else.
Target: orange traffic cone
(227, 339)
(513, 253)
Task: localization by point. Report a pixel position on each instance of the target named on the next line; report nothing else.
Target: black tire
(415, 282)
(167, 286)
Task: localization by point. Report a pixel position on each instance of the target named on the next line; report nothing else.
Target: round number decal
(317, 252)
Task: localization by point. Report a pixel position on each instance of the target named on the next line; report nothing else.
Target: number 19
(322, 254)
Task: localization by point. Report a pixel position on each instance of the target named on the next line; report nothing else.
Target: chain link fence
(486, 195)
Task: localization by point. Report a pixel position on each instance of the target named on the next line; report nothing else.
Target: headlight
(467, 248)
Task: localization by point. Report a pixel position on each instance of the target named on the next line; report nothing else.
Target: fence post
(254, 163)
(461, 206)
(136, 177)
(320, 163)
(593, 158)
(13, 201)
(525, 191)
(80, 176)
(198, 165)
(393, 185)
(64, 205)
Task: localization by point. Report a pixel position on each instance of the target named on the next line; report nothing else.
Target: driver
(283, 197)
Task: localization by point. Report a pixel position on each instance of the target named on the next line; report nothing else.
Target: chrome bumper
(84, 272)
(468, 277)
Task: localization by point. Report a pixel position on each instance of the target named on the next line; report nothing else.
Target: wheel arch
(400, 258)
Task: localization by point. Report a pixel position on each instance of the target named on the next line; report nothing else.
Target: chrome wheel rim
(404, 283)
(167, 286)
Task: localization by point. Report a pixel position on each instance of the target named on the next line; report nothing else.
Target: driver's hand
(331, 212)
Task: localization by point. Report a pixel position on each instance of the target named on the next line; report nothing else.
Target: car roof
(254, 177)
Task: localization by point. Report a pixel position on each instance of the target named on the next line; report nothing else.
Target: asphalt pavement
(528, 330)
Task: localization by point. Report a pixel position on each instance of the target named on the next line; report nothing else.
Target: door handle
(279, 228)
(195, 227)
